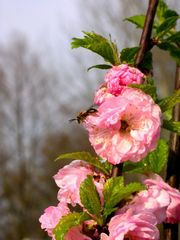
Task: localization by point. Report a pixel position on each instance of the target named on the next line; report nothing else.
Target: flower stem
(117, 170)
(145, 41)
(145, 45)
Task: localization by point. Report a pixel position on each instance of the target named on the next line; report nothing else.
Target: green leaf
(90, 198)
(115, 191)
(169, 102)
(154, 162)
(157, 159)
(161, 9)
(175, 54)
(147, 61)
(128, 55)
(147, 88)
(172, 126)
(173, 50)
(131, 188)
(111, 191)
(165, 45)
(138, 20)
(97, 162)
(163, 12)
(166, 26)
(139, 167)
(170, 13)
(67, 222)
(150, 80)
(175, 38)
(167, 115)
(98, 44)
(100, 66)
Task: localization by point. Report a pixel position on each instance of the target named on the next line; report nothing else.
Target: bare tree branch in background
(25, 108)
(32, 134)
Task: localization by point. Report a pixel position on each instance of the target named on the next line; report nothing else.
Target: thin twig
(117, 170)
(145, 45)
(145, 41)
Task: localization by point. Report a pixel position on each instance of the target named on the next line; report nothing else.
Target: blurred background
(43, 84)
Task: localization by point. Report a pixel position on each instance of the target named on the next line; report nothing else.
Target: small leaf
(170, 13)
(169, 102)
(131, 188)
(97, 162)
(147, 61)
(172, 126)
(90, 198)
(165, 45)
(128, 55)
(146, 88)
(67, 222)
(139, 167)
(166, 26)
(167, 115)
(175, 38)
(175, 54)
(157, 159)
(154, 162)
(150, 80)
(111, 191)
(98, 44)
(100, 66)
(173, 50)
(138, 20)
(115, 191)
(161, 9)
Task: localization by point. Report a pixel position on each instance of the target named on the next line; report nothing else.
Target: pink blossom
(173, 209)
(52, 216)
(153, 200)
(76, 234)
(120, 76)
(69, 179)
(139, 226)
(104, 236)
(126, 127)
(101, 94)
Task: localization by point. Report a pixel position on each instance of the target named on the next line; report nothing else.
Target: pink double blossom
(120, 76)
(117, 79)
(140, 226)
(69, 179)
(173, 208)
(102, 94)
(75, 233)
(159, 199)
(126, 127)
(153, 200)
(52, 216)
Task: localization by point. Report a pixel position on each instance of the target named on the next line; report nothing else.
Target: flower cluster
(124, 127)
(69, 179)
(136, 220)
(117, 79)
(127, 123)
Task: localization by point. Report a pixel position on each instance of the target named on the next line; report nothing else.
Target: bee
(82, 115)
